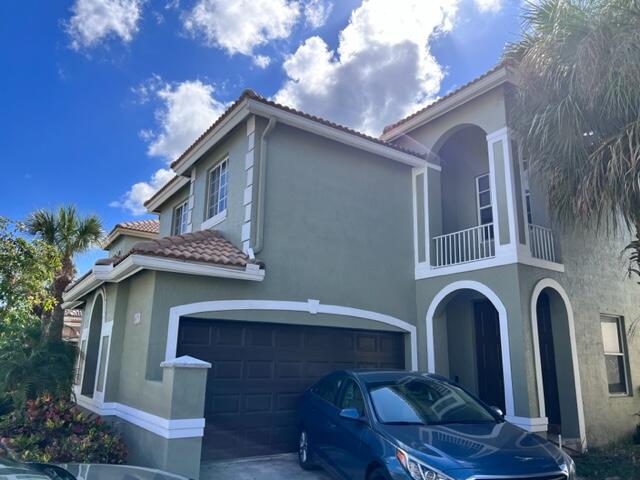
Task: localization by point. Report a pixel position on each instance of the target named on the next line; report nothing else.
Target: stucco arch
(447, 134)
(310, 306)
(481, 288)
(549, 283)
(92, 334)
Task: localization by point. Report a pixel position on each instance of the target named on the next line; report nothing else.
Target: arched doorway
(557, 376)
(93, 347)
(468, 341)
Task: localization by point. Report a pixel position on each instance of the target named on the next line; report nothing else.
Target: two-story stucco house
(289, 246)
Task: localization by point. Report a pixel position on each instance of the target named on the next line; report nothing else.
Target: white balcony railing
(541, 243)
(468, 245)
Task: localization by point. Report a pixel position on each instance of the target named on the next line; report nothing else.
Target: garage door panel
(259, 372)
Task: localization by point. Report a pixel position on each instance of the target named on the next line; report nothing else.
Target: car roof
(374, 376)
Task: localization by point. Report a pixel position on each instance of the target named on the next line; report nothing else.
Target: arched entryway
(468, 341)
(91, 354)
(557, 376)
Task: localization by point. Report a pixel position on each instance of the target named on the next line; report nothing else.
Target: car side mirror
(350, 414)
(498, 411)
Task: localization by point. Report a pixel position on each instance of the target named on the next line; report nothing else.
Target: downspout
(262, 172)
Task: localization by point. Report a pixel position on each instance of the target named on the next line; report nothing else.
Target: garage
(259, 370)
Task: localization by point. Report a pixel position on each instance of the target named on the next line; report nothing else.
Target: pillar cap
(185, 362)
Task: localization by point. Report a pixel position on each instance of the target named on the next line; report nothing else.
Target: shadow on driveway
(260, 468)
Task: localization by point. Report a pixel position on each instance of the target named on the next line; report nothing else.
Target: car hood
(97, 471)
(484, 448)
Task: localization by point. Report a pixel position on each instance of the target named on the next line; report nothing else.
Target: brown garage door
(259, 371)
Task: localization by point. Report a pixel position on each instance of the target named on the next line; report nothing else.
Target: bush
(53, 430)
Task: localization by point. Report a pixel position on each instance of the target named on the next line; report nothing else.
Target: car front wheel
(305, 458)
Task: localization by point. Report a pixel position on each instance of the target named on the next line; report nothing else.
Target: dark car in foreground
(12, 470)
(382, 425)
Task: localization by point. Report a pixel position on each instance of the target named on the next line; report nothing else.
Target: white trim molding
(537, 290)
(311, 306)
(134, 263)
(462, 96)
(170, 429)
(504, 332)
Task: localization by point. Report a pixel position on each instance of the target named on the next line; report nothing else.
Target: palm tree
(576, 110)
(70, 234)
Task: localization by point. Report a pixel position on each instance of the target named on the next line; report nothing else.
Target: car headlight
(570, 466)
(418, 470)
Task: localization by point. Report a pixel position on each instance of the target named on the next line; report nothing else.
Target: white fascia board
(156, 203)
(472, 91)
(134, 263)
(225, 126)
(119, 231)
(191, 268)
(298, 121)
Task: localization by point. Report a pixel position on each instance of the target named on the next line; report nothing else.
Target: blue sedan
(384, 425)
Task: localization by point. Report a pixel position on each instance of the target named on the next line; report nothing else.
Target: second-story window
(218, 178)
(180, 218)
(483, 191)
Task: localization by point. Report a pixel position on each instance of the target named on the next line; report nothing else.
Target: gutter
(262, 172)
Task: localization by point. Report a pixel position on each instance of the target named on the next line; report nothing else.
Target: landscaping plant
(29, 363)
(54, 430)
(576, 110)
(70, 234)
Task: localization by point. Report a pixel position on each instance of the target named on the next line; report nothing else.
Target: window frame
(184, 204)
(478, 192)
(622, 341)
(212, 219)
(339, 378)
(341, 393)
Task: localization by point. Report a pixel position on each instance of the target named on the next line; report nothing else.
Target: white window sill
(213, 221)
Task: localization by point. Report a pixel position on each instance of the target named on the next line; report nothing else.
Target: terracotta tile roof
(207, 246)
(448, 95)
(146, 226)
(248, 93)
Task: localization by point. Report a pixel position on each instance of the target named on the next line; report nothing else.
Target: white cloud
(93, 21)
(240, 26)
(382, 70)
(188, 109)
(488, 5)
(133, 200)
(261, 61)
(316, 12)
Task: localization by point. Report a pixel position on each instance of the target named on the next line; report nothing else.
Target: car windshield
(425, 401)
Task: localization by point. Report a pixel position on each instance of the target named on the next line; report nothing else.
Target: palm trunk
(61, 281)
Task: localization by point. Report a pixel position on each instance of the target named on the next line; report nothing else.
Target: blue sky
(97, 96)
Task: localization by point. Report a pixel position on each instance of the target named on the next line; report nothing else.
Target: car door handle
(332, 425)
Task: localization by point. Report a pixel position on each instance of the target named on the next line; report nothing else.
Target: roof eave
(227, 124)
(154, 203)
(134, 263)
(298, 121)
(118, 231)
(464, 95)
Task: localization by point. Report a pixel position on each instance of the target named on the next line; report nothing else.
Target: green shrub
(54, 430)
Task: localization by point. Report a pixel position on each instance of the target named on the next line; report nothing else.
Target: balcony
(541, 243)
(468, 245)
(478, 243)
(474, 208)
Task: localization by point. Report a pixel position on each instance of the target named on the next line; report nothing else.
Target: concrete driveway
(260, 468)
